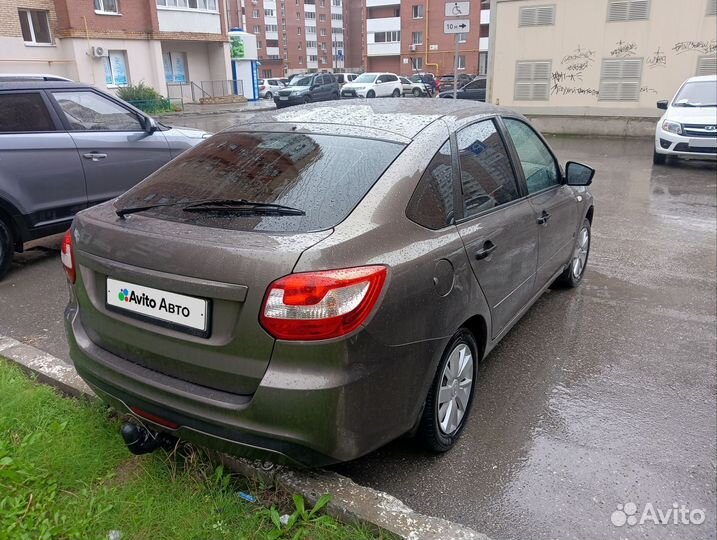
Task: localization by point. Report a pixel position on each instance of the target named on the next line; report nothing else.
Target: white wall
(188, 20)
(57, 59)
(680, 31)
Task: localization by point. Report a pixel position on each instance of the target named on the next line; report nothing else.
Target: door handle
(543, 219)
(94, 156)
(488, 248)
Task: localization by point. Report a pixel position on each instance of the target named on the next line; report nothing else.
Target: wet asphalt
(599, 397)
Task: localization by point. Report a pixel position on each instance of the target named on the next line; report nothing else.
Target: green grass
(65, 474)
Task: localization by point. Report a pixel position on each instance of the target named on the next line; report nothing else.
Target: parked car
(66, 146)
(344, 78)
(330, 284)
(417, 89)
(308, 88)
(445, 83)
(474, 90)
(268, 88)
(372, 85)
(688, 129)
(428, 81)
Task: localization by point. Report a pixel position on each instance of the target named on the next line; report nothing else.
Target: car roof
(403, 117)
(703, 78)
(38, 85)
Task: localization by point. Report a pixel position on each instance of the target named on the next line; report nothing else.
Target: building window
(310, 29)
(337, 17)
(204, 5)
(310, 44)
(462, 37)
(301, 59)
(628, 10)
(271, 27)
(418, 11)
(532, 81)
(35, 26)
(266, 73)
(387, 37)
(417, 38)
(309, 15)
(707, 65)
(536, 16)
(461, 61)
(322, 18)
(323, 31)
(116, 68)
(257, 29)
(175, 67)
(417, 63)
(483, 63)
(258, 44)
(106, 6)
(254, 13)
(269, 13)
(336, 3)
(620, 79)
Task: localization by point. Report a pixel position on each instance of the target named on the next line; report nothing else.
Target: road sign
(458, 9)
(456, 26)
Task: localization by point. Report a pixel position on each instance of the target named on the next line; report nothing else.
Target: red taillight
(153, 418)
(321, 305)
(67, 255)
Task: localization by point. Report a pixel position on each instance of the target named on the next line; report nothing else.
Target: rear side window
(325, 176)
(432, 203)
(24, 112)
(340, 78)
(487, 178)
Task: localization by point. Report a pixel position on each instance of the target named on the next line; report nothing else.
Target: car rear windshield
(325, 176)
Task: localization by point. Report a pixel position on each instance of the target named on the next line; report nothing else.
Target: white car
(409, 87)
(688, 129)
(372, 85)
(268, 88)
(344, 78)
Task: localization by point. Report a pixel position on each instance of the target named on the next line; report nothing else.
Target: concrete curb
(350, 503)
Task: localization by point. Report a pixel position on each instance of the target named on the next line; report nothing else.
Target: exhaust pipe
(140, 440)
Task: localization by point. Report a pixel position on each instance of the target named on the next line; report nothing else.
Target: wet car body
(312, 402)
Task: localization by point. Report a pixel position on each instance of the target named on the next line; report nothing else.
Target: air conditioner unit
(99, 52)
(412, 47)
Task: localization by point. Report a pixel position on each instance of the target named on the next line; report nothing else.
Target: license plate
(704, 143)
(168, 309)
(283, 98)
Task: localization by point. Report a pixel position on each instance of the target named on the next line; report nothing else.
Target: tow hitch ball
(140, 440)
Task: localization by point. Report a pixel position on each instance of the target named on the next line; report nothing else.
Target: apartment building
(295, 36)
(598, 57)
(405, 36)
(113, 43)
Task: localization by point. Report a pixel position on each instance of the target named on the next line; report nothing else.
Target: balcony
(379, 3)
(188, 20)
(383, 49)
(384, 24)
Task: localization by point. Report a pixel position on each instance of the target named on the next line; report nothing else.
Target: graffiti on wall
(624, 49)
(572, 67)
(703, 47)
(657, 59)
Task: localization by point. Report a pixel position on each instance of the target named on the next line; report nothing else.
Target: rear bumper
(330, 411)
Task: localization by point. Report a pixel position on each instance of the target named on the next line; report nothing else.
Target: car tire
(416, 92)
(573, 274)
(7, 247)
(396, 93)
(440, 434)
(370, 94)
(658, 159)
(269, 95)
(336, 96)
(307, 99)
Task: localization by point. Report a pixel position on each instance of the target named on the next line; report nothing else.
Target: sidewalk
(195, 109)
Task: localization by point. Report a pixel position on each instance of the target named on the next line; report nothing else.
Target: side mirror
(662, 104)
(314, 87)
(150, 124)
(578, 174)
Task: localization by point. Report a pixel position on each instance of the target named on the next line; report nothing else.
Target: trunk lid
(230, 269)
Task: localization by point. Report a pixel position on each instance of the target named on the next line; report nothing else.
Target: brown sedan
(313, 284)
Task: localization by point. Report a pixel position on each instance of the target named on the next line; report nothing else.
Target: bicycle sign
(458, 9)
(456, 26)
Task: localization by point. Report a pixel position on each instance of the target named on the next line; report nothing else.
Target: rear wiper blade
(214, 205)
(243, 205)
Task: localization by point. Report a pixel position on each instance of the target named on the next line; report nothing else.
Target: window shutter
(707, 65)
(537, 16)
(620, 79)
(628, 10)
(532, 81)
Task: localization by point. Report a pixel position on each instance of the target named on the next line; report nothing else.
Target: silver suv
(66, 146)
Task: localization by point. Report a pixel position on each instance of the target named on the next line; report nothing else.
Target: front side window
(115, 64)
(24, 112)
(324, 176)
(35, 26)
(487, 178)
(537, 161)
(432, 203)
(87, 111)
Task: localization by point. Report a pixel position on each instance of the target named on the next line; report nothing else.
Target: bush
(145, 98)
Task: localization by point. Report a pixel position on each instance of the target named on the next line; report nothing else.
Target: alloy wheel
(581, 253)
(455, 390)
